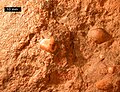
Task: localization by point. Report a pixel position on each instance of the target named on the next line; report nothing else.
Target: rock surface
(77, 65)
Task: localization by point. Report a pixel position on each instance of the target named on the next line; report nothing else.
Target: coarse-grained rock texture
(78, 64)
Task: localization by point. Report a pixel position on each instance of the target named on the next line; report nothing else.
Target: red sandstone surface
(78, 64)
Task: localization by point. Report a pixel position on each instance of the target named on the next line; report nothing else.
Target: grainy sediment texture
(78, 64)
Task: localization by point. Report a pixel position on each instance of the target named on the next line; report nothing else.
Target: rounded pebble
(104, 84)
(111, 70)
(48, 45)
(98, 35)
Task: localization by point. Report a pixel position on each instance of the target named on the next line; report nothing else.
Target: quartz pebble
(98, 35)
(48, 44)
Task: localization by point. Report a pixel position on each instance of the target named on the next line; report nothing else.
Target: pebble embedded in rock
(48, 44)
(104, 84)
(98, 35)
(111, 70)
